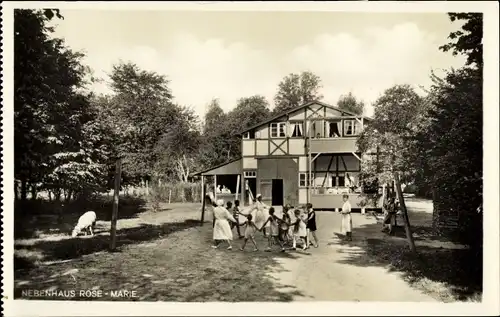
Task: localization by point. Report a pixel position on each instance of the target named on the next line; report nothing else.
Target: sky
(230, 55)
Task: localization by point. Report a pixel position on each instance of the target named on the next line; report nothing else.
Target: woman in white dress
(346, 218)
(261, 214)
(222, 229)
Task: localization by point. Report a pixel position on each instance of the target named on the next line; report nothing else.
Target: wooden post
(169, 195)
(409, 234)
(203, 191)
(202, 188)
(237, 187)
(215, 187)
(114, 215)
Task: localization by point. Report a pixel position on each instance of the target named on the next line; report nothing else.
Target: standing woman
(261, 214)
(311, 224)
(222, 228)
(346, 218)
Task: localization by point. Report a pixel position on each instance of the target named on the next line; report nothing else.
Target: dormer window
(278, 129)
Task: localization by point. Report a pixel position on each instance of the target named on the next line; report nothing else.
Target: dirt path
(320, 275)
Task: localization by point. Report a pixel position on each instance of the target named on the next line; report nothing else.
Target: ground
(166, 256)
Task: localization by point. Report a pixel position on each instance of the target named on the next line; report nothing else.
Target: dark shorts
(311, 226)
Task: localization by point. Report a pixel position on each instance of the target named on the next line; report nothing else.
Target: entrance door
(277, 192)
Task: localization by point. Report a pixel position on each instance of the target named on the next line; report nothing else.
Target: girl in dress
(299, 231)
(236, 213)
(222, 229)
(250, 230)
(261, 214)
(274, 222)
(311, 225)
(284, 229)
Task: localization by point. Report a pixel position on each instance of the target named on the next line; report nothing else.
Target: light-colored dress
(260, 214)
(249, 231)
(301, 230)
(222, 229)
(274, 227)
(291, 215)
(346, 217)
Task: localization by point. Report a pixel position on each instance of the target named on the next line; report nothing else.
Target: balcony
(334, 145)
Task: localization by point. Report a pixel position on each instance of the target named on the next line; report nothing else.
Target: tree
(215, 132)
(51, 110)
(297, 89)
(468, 40)
(350, 103)
(222, 139)
(390, 135)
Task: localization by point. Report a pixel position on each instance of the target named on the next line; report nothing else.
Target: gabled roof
(291, 110)
(231, 170)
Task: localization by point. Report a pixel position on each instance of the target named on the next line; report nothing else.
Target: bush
(177, 192)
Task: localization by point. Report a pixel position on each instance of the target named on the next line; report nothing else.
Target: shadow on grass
(33, 218)
(72, 248)
(459, 269)
(181, 268)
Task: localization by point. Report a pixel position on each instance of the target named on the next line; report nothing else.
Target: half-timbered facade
(307, 154)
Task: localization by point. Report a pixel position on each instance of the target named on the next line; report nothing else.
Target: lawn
(162, 256)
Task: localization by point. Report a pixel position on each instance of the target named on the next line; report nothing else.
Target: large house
(306, 154)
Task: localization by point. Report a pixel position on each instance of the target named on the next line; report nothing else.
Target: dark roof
(286, 112)
(215, 167)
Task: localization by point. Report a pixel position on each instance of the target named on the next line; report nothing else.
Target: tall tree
(453, 140)
(215, 133)
(297, 89)
(350, 103)
(389, 135)
(468, 40)
(50, 109)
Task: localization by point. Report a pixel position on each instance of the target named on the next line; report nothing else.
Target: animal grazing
(86, 222)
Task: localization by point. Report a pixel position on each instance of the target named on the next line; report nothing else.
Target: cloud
(365, 64)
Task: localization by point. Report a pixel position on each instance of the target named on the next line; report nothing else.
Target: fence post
(114, 215)
(203, 190)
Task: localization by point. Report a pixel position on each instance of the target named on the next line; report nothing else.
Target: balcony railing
(334, 145)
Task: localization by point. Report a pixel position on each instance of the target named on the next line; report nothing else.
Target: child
(236, 213)
(274, 221)
(390, 209)
(250, 230)
(346, 218)
(311, 224)
(284, 228)
(299, 230)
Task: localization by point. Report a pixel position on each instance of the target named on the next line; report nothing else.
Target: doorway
(277, 192)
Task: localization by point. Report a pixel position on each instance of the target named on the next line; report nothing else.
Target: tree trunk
(406, 219)
(16, 188)
(24, 189)
(147, 187)
(33, 192)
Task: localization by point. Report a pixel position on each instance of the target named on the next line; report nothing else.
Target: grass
(442, 269)
(162, 256)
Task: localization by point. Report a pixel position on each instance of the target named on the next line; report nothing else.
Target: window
(352, 127)
(250, 174)
(334, 128)
(278, 130)
(296, 129)
(303, 177)
(338, 180)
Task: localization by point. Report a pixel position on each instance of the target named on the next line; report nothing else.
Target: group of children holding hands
(295, 226)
